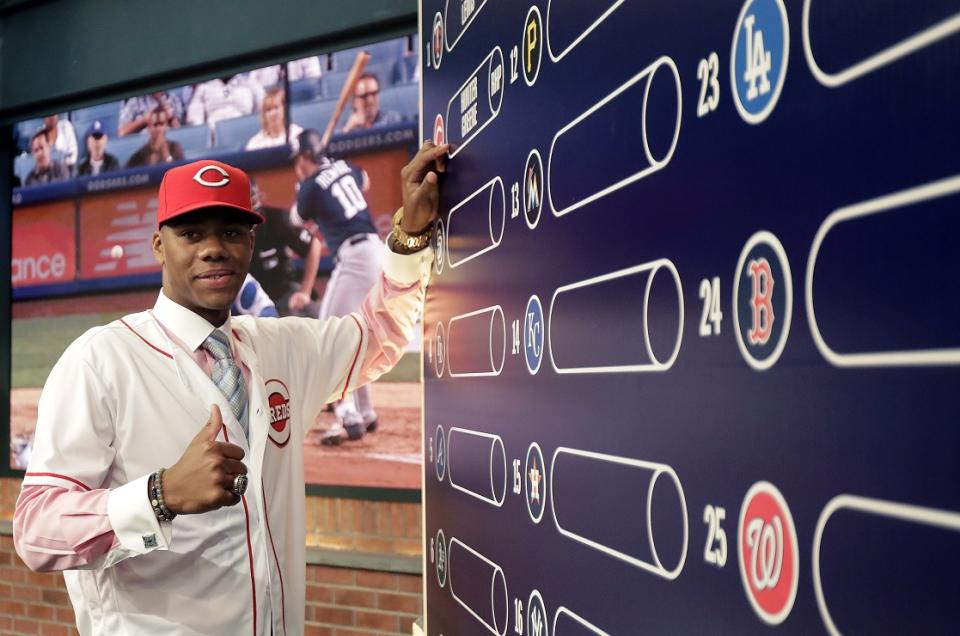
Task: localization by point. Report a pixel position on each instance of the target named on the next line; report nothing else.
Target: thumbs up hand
(202, 479)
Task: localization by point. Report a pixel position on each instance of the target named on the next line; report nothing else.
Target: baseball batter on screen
(166, 478)
(331, 195)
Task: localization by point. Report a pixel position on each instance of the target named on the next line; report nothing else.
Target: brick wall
(341, 600)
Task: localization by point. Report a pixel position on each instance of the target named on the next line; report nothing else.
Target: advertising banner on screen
(115, 231)
(44, 246)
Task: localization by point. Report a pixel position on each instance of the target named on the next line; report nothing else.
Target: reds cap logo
(278, 400)
(769, 559)
(199, 176)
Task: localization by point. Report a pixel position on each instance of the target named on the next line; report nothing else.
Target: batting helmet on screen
(311, 145)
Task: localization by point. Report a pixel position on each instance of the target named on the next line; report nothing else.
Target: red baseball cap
(204, 184)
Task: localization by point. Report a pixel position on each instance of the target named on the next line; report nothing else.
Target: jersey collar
(187, 326)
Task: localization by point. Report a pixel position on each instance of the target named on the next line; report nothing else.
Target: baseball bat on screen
(358, 65)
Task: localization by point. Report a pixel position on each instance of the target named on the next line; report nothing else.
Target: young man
(214, 544)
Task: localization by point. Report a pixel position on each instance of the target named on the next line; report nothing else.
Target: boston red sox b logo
(762, 300)
(768, 554)
(763, 316)
(278, 400)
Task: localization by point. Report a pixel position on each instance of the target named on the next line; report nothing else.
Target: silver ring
(240, 485)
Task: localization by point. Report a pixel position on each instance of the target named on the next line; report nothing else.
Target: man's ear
(157, 245)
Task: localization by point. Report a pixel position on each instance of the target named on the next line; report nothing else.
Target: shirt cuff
(407, 269)
(133, 520)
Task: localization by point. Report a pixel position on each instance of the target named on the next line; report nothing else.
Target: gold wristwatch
(410, 243)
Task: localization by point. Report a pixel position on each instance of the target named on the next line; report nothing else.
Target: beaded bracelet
(156, 497)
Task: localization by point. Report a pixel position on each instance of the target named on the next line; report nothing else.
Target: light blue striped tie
(227, 375)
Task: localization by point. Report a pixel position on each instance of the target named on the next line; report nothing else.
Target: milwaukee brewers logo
(762, 300)
(769, 558)
(278, 401)
(200, 177)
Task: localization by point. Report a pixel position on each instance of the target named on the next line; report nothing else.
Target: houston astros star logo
(535, 478)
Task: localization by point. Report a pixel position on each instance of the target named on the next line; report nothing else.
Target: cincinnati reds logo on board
(202, 180)
(769, 557)
(278, 401)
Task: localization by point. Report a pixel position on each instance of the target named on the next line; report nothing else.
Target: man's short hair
(41, 132)
(369, 75)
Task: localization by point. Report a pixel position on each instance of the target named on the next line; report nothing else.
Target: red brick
(354, 598)
(12, 607)
(319, 594)
(66, 615)
(328, 614)
(379, 580)
(41, 612)
(406, 603)
(52, 629)
(26, 593)
(27, 626)
(378, 621)
(13, 574)
(410, 584)
(55, 597)
(354, 632)
(337, 576)
(317, 630)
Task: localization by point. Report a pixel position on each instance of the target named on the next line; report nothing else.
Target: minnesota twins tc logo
(762, 300)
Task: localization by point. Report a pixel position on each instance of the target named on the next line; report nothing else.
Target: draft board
(691, 342)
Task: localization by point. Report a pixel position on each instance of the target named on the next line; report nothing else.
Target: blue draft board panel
(692, 354)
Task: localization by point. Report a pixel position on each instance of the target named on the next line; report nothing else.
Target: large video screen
(84, 209)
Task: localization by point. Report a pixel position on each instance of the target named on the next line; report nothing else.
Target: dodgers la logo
(202, 180)
(278, 400)
(762, 300)
(769, 558)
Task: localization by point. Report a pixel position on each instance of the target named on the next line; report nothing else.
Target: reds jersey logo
(278, 401)
(202, 180)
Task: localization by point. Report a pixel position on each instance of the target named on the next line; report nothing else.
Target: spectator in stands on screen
(272, 124)
(158, 148)
(135, 112)
(308, 67)
(366, 106)
(46, 169)
(98, 160)
(62, 139)
(224, 98)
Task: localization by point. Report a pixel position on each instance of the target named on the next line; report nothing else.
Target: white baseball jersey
(124, 400)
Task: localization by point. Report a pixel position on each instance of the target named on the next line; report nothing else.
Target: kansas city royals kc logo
(762, 300)
(533, 329)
